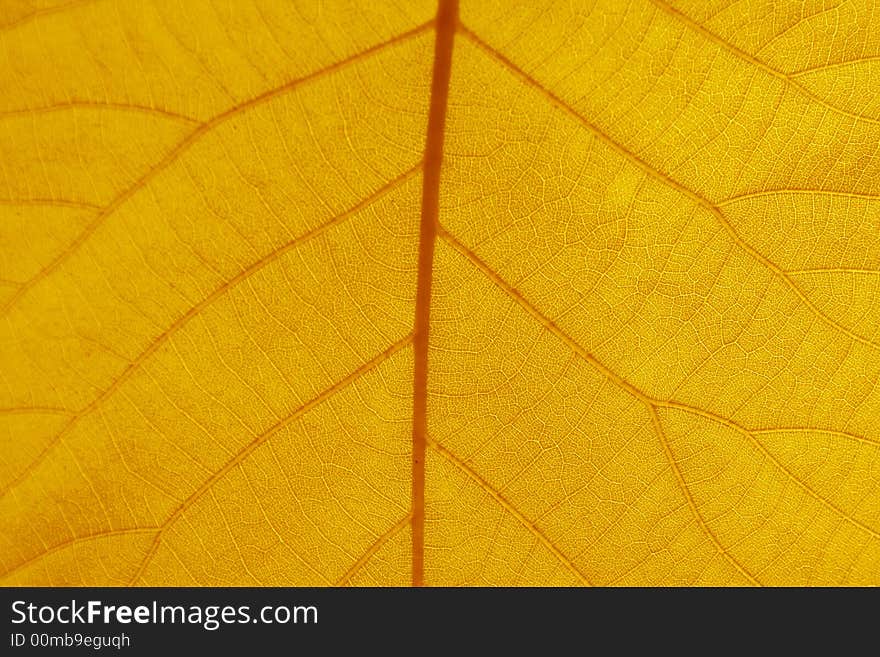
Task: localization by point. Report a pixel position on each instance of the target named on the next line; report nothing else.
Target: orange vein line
(76, 541)
(61, 203)
(788, 79)
(623, 384)
(378, 543)
(783, 192)
(667, 450)
(548, 323)
(191, 139)
(665, 179)
(751, 435)
(89, 104)
(248, 449)
(447, 19)
(498, 497)
(47, 410)
(846, 62)
(833, 270)
(827, 432)
(181, 321)
(48, 11)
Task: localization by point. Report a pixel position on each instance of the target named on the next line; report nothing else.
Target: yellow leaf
(386, 293)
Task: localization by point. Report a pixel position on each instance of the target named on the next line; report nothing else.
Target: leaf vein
(650, 402)
(507, 506)
(187, 142)
(787, 79)
(259, 440)
(374, 548)
(75, 541)
(694, 196)
(90, 104)
(194, 311)
(667, 451)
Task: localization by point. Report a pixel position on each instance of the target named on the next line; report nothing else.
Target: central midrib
(447, 18)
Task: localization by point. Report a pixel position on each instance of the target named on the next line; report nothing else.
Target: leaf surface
(357, 293)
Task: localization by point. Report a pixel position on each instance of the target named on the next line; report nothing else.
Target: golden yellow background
(654, 324)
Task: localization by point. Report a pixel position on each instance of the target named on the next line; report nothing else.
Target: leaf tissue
(401, 293)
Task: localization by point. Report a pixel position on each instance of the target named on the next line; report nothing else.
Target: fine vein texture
(439, 293)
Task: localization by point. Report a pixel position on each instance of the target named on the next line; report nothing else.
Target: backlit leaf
(376, 293)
